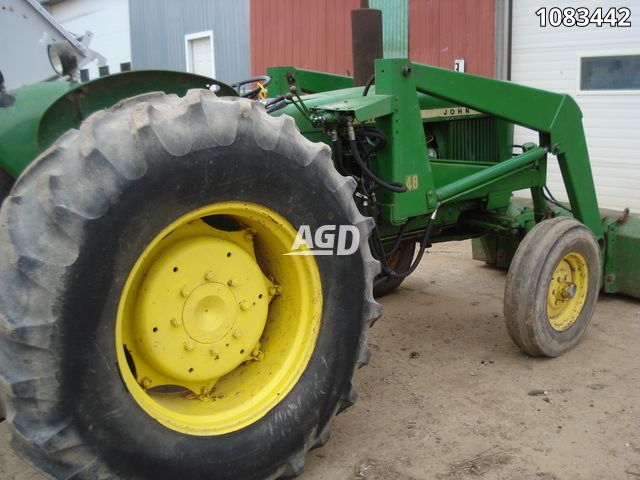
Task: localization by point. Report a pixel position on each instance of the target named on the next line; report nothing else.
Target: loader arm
(557, 117)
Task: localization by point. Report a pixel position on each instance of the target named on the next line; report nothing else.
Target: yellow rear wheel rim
(215, 325)
(567, 293)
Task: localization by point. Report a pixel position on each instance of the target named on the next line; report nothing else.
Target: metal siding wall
(158, 28)
(395, 26)
(442, 30)
(547, 58)
(109, 22)
(309, 34)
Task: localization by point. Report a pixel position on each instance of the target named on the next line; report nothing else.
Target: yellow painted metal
(216, 326)
(568, 289)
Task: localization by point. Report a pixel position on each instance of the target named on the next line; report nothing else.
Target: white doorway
(200, 53)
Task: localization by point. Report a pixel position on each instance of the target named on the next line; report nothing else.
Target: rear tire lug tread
(295, 466)
(323, 436)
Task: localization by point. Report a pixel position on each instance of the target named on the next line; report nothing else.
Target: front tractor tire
(151, 325)
(552, 287)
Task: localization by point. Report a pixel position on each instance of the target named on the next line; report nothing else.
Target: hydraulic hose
(421, 249)
(273, 104)
(397, 243)
(372, 78)
(392, 186)
(369, 132)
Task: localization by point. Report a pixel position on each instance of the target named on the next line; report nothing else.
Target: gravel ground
(448, 396)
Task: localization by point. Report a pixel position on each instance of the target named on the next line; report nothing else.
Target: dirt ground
(448, 396)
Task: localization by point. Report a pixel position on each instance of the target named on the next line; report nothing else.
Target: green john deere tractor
(155, 319)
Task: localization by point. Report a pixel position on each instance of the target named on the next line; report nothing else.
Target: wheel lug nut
(244, 305)
(570, 291)
(257, 354)
(237, 333)
(275, 290)
(145, 382)
(175, 322)
(233, 282)
(213, 351)
(208, 276)
(184, 291)
(188, 346)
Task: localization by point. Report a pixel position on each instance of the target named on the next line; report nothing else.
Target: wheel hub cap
(193, 326)
(210, 313)
(567, 291)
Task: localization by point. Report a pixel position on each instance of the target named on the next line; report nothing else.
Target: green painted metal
(517, 219)
(406, 142)
(308, 81)
(495, 249)
(397, 108)
(19, 123)
(362, 108)
(622, 258)
(489, 175)
(44, 111)
(557, 116)
(468, 120)
(315, 103)
(448, 172)
(395, 26)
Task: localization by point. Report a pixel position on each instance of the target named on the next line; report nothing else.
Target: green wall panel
(395, 26)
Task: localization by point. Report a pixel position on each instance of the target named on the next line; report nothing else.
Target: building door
(200, 54)
(600, 68)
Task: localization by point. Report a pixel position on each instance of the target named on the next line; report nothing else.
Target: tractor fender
(40, 113)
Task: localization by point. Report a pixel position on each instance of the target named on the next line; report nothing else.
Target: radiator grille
(474, 139)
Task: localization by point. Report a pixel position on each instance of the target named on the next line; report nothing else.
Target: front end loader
(162, 314)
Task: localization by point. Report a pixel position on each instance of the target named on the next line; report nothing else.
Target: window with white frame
(200, 53)
(610, 73)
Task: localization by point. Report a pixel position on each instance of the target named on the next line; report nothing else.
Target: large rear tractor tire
(151, 325)
(552, 287)
(6, 181)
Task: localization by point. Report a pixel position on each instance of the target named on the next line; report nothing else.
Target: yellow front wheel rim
(215, 325)
(567, 291)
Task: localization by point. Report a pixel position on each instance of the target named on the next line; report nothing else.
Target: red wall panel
(316, 34)
(442, 30)
(306, 34)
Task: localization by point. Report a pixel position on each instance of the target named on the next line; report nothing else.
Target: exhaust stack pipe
(366, 34)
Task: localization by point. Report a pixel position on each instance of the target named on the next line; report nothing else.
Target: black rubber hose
(275, 104)
(367, 85)
(418, 259)
(392, 186)
(373, 133)
(546, 193)
(421, 250)
(274, 101)
(396, 244)
(263, 79)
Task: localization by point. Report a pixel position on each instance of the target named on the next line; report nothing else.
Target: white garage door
(200, 53)
(600, 68)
